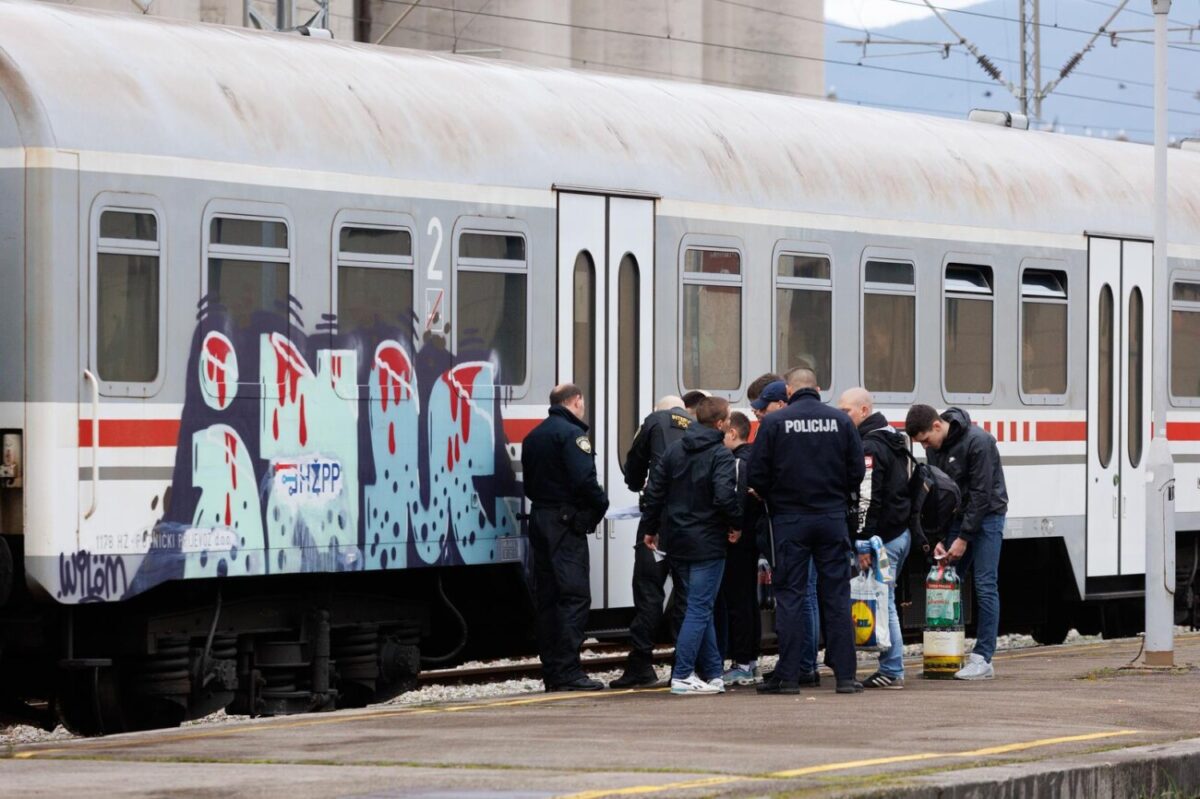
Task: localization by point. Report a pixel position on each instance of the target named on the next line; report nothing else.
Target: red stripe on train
(131, 432)
(1062, 431)
(1183, 431)
(515, 430)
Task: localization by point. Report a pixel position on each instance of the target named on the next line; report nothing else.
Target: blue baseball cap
(774, 392)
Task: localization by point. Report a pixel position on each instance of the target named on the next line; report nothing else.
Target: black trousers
(822, 539)
(649, 594)
(739, 626)
(564, 597)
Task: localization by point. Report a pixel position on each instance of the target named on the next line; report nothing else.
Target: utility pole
(1031, 56)
(1160, 485)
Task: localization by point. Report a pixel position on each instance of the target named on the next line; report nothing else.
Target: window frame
(889, 255)
(377, 220)
(1042, 265)
(123, 202)
(960, 259)
(719, 243)
(1186, 275)
(260, 212)
(816, 250)
(493, 226)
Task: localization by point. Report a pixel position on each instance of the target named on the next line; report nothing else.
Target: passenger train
(277, 312)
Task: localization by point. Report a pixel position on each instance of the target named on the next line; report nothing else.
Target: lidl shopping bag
(869, 610)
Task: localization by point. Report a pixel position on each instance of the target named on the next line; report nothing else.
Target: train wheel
(88, 699)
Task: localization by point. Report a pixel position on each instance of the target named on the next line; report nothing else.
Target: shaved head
(857, 403)
(801, 377)
(668, 402)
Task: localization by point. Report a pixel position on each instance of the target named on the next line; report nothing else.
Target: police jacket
(969, 456)
(807, 458)
(559, 468)
(754, 520)
(691, 499)
(883, 497)
(659, 430)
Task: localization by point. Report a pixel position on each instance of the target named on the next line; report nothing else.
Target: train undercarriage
(295, 644)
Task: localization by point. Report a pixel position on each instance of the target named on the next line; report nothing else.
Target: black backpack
(935, 497)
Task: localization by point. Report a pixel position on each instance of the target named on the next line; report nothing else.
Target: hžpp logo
(308, 478)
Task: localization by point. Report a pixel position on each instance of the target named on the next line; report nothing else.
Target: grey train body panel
(186, 123)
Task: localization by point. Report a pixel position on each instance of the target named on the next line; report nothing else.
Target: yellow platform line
(849, 765)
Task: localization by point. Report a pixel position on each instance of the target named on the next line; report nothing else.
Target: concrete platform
(1057, 720)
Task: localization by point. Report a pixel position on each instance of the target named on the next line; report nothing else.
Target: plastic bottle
(945, 639)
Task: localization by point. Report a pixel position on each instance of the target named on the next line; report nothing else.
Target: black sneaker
(581, 684)
(812, 679)
(635, 678)
(778, 687)
(849, 687)
(881, 680)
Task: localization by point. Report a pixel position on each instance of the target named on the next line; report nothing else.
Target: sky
(883, 13)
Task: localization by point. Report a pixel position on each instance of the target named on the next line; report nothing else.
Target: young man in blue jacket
(692, 511)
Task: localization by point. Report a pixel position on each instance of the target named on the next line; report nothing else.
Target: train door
(1118, 404)
(605, 315)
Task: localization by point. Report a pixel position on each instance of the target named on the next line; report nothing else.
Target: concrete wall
(696, 40)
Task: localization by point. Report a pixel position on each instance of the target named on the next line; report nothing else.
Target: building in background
(768, 45)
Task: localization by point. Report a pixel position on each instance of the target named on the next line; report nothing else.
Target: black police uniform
(559, 472)
(659, 430)
(806, 465)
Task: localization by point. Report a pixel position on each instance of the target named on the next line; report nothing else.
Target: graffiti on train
(87, 577)
(332, 452)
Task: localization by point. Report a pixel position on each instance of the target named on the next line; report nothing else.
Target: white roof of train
(105, 82)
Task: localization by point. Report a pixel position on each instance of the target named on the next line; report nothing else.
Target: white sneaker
(976, 668)
(718, 683)
(693, 685)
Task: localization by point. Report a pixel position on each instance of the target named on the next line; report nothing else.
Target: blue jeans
(696, 646)
(891, 662)
(811, 639)
(982, 561)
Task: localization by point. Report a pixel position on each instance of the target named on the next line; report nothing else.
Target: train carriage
(276, 313)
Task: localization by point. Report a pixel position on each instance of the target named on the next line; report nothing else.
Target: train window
(1104, 344)
(1043, 332)
(249, 265)
(375, 280)
(584, 339)
(804, 314)
(1136, 367)
(1185, 332)
(889, 331)
(968, 326)
(628, 377)
(712, 319)
(491, 299)
(128, 301)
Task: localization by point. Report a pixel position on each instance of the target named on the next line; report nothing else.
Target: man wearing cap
(663, 427)
(774, 397)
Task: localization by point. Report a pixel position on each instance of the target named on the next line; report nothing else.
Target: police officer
(664, 426)
(559, 471)
(807, 463)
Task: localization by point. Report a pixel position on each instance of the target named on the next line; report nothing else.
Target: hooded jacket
(691, 498)
(807, 458)
(969, 456)
(884, 501)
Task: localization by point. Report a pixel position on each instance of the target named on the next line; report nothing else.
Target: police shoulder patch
(584, 443)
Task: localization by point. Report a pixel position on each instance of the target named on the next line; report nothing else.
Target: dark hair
(692, 399)
(740, 425)
(564, 393)
(711, 410)
(762, 381)
(920, 419)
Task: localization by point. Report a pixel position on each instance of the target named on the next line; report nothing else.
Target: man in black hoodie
(739, 623)
(807, 462)
(692, 510)
(968, 454)
(559, 470)
(885, 510)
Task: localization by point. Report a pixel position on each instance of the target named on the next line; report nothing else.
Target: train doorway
(1119, 303)
(605, 346)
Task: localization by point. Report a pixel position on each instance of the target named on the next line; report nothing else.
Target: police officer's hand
(651, 542)
(864, 561)
(734, 536)
(956, 550)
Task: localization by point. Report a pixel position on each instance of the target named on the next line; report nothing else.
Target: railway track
(605, 657)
